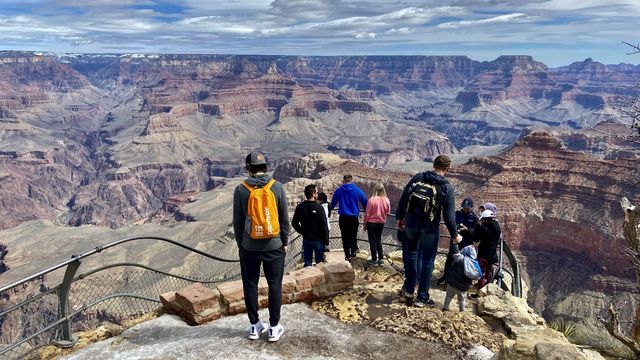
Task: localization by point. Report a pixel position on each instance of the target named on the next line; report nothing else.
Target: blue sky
(556, 32)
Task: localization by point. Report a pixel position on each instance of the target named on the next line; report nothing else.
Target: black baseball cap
(467, 203)
(256, 158)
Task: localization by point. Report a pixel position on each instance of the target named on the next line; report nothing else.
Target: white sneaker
(256, 329)
(275, 332)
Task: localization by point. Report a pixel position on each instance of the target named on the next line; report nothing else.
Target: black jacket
(310, 220)
(455, 274)
(488, 235)
(470, 220)
(447, 202)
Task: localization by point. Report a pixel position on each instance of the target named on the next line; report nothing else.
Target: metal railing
(123, 290)
(113, 292)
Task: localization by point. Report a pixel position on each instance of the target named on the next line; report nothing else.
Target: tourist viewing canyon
(266, 179)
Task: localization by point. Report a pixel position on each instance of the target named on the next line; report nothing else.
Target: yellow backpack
(262, 211)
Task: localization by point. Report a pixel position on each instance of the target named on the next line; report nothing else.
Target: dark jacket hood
(433, 178)
(259, 180)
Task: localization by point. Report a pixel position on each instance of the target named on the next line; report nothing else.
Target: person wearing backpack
(488, 235)
(465, 216)
(310, 221)
(375, 216)
(348, 196)
(261, 228)
(425, 199)
(461, 273)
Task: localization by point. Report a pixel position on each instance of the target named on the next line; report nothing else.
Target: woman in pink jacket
(375, 216)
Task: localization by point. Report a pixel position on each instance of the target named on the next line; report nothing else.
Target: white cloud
(572, 5)
(365, 35)
(402, 30)
(507, 18)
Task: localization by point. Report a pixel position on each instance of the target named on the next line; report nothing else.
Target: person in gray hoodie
(267, 253)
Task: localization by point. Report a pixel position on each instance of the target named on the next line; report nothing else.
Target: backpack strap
(266, 187)
(269, 184)
(249, 187)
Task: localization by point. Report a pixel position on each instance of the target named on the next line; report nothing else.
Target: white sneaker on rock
(275, 332)
(256, 329)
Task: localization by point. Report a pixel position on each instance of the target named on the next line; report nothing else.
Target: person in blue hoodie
(348, 196)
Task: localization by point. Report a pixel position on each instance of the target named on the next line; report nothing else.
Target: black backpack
(424, 199)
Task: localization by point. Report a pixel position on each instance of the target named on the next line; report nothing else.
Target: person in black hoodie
(487, 234)
(310, 220)
(468, 218)
(423, 232)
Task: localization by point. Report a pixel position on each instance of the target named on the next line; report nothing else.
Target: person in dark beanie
(261, 229)
(310, 221)
(465, 216)
(426, 198)
(348, 196)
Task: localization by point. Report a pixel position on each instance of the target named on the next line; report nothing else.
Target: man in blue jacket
(423, 231)
(348, 195)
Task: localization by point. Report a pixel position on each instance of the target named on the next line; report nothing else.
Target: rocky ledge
(343, 324)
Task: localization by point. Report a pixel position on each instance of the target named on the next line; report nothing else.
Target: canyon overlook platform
(351, 312)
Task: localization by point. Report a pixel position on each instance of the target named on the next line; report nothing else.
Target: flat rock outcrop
(308, 334)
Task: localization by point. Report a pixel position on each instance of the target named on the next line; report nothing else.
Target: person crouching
(458, 283)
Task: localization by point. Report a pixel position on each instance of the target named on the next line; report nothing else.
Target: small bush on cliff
(564, 326)
(592, 333)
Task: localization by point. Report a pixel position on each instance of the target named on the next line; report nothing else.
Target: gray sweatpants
(451, 291)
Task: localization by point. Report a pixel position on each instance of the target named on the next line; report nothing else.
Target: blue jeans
(310, 247)
(402, 238)
(421, 249)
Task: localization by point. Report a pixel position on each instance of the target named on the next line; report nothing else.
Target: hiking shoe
(372, 262)
(406, 296)
(440, 280)
(425, 303)
(275, 332)
(405, 293)
(256, 329)
(380, 262)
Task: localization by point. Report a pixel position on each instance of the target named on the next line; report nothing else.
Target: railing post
(517, 284)
(66, 339)
(500, 260)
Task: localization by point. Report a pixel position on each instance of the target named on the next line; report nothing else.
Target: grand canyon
(99, 147)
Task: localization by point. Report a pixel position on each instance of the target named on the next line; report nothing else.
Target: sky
(556, 32)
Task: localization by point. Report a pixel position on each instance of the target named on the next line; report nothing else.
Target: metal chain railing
(33, 315)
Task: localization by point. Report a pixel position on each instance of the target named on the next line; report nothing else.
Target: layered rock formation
(555, 200)
(110, 123)
(118, 140)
